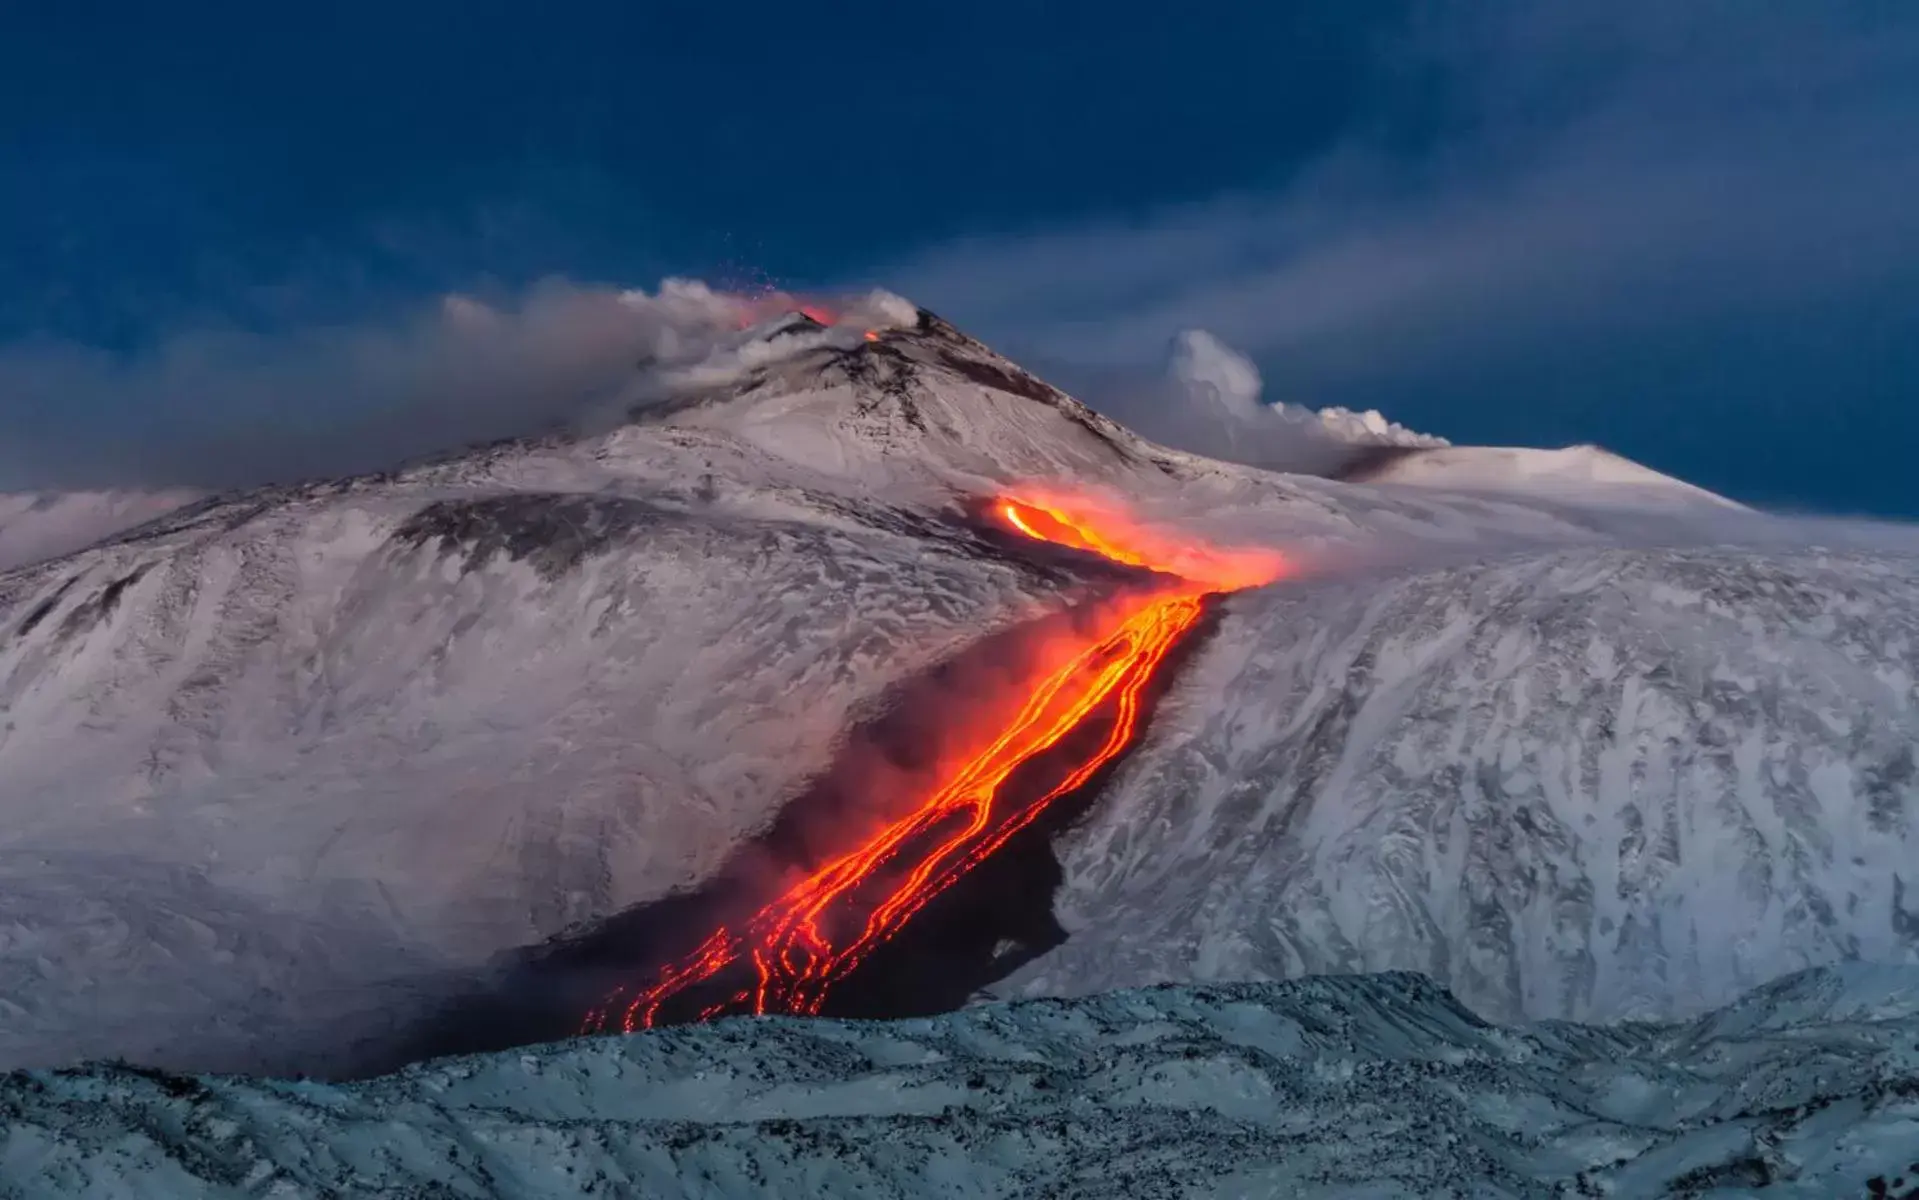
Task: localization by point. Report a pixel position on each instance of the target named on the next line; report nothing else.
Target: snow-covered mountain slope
(274, 765)
(448, 724)
(422, 718)
(1350, 1086)
(1580, 473)
(1585, 784)
(42, 525)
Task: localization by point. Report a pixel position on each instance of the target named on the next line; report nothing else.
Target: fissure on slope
(788, 955)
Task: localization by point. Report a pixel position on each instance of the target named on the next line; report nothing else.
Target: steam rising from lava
(788, 955)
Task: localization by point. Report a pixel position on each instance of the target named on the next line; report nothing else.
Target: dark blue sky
(158, 162)
(1686, 237)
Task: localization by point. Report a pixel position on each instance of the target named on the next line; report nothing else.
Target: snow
(279, 764)
(401, 743)
(1584, 473)
(1339, 1086)
(424, 718)
(1590, 784)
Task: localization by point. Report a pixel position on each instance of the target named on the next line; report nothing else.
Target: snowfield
(278, 765)
(1587, 785)
(1341, 1086)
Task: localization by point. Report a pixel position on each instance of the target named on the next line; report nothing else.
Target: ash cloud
(225, 407)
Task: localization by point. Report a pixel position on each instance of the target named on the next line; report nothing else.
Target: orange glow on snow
(792, 952)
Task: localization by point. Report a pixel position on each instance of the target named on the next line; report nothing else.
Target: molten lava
(789, 955)
(1085, 524)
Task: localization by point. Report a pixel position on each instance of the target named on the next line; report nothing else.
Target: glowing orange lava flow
(823, 927)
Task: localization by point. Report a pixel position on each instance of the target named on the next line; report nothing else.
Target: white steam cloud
(1212, 373)
(1211, 402)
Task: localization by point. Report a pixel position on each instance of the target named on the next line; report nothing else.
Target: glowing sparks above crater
(788, 955)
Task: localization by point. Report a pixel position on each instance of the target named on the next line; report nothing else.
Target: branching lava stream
(789, 954)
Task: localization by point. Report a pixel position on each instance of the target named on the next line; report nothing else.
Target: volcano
(286, 771)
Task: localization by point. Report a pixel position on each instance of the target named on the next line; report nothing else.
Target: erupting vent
(750, 311)
(786, 957)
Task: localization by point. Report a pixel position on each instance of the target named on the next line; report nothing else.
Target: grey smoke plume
(220, 408)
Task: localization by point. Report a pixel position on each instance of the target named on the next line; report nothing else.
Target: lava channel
(787, 956)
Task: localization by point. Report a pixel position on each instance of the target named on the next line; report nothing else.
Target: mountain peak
(910, 391)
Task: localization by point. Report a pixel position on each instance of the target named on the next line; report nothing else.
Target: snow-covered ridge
(1573, 473)
(1370, 1085)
